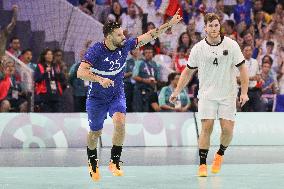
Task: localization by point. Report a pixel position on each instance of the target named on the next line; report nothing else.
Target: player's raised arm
(84, 73)
(154, 33)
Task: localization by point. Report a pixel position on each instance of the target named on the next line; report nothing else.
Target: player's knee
(5, 106)
(227, 132)
(119, 122)
(95, 134)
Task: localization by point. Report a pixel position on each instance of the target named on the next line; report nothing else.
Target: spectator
(12, 98)
(150, 10)
(278, 10)
(128, 81)
(115, 12)
(86, 6)
(26, 57)
(132, 22)
(279, 107)
(80, 87)
(242, 12)
(258, 6)
(219, 9)
(254, 91)
(269, 52)
(269, 60)
(59, 63)
(155, 43)
(101, 7)
(185, 41)
(180, 60)
(15, 46)
(48, 89)
(61, 67)
(4, 33)
(146, 74)
(154, 103)
(229, 29)
(190, 29)
(268, 87)
(182, 103)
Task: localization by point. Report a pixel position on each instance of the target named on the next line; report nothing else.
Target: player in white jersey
(216, 58)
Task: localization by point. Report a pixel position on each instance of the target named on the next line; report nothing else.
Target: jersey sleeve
(192, 62)
(91, 56)
(131, 43)
(238, 57)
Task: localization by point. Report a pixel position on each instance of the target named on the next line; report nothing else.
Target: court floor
(246, 167)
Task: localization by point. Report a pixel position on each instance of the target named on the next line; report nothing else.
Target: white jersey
(216, 68)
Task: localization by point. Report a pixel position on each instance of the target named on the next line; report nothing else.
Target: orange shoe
(115, 168)
(202, 170)
(94, 170)
(216, 165)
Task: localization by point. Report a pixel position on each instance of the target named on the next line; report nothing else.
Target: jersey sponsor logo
(225, 52)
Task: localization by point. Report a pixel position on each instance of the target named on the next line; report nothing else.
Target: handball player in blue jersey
(103, 65)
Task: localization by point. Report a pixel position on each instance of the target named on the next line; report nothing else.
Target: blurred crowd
(152, 72)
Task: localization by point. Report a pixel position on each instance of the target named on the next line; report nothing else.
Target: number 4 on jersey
(215, 62)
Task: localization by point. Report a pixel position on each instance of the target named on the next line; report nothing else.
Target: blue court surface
(149, 168)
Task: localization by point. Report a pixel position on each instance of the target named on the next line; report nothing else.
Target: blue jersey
(108, 64)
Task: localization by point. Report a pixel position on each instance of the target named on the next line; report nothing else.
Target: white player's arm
(244, 78)
(184, 79)
(155, 33)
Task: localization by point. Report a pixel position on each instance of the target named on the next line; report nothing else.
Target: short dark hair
(14, 38)
(181, 48)
(172, 76)
(270, 43)
(148, 47)
(57, 50)
(246, 45)
(26, 50)
(230, 23)
(270, 59)
(209, 17)
(109, 27)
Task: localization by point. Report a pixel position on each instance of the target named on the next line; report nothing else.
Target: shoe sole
(215, 171)
(95, 176)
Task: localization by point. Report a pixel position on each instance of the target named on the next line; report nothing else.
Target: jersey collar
(222, 38)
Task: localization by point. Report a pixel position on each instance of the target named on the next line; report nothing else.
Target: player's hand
(106, 83)
(173, 97)
(15, 8)
(176, 18)
(243, 99)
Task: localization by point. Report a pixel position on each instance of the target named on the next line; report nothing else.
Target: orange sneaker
(202, 170)
(115, 168)
(216, 165)
(94, 170)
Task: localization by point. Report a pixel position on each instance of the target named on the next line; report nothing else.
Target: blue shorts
(97, 110)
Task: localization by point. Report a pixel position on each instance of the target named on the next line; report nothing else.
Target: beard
(215, 35)
(118, 44)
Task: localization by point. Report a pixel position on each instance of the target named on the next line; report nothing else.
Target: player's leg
(207, 113)
(226, 113)
(96, 117)
(117, 112)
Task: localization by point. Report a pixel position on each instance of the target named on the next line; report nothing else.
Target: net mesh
(61, 22)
